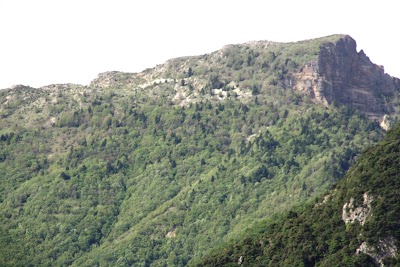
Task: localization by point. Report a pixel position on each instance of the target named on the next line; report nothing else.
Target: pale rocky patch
(386, 123)
(171, 234)
(351, 214)
(385, 248)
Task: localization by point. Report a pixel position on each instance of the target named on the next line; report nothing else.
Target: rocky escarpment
(344, 76)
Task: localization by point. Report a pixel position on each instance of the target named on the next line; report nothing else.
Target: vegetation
(140, 169)
(316, 235)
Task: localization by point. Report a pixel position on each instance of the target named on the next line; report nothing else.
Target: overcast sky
(71, 41)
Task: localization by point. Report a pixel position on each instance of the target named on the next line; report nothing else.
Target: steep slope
(356, 224)
(154, 168)
(342, 75)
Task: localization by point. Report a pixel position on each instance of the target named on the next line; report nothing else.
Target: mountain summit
(328, 70)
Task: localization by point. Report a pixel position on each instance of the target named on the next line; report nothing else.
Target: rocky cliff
(344, 76)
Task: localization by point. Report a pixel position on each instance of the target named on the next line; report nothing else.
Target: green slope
(156, 168)
(318, 236)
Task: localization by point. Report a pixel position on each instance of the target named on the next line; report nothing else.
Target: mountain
(355, 224)
(327, 70)
(156, 168)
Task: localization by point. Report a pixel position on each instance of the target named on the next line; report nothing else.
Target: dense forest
(157, 168)
(317, 235)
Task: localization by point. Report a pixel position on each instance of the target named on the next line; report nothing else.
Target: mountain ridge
(332, 72)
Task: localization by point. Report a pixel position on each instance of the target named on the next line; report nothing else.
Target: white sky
(71, 41)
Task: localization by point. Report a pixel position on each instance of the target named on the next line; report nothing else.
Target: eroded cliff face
(345, 76)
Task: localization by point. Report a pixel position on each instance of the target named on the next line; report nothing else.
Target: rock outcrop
(351, 214)
(386, 122)
(385, 248)
(342, 75)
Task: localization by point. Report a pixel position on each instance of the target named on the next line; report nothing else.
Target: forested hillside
(356, 224)
(156, 168)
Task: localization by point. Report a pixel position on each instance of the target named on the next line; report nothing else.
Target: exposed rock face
(386, 123)
(345, 76)
(384, 249)
(351, 214)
